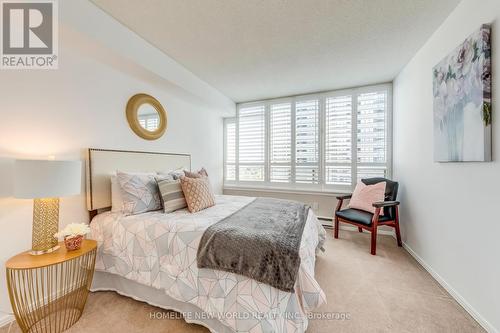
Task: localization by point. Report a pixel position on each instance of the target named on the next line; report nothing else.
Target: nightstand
(48, 292)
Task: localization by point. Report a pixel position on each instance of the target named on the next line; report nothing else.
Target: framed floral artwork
(462, 101)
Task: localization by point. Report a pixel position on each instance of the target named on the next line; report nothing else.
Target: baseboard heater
(326, 222)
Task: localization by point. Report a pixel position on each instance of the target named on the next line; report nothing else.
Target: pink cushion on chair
(364, 196)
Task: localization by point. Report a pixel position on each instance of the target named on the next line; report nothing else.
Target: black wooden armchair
(369, 221)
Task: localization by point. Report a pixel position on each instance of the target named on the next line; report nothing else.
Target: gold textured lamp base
(39, 252)
(45, 225)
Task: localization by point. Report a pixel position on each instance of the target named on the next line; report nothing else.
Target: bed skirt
(112, 282)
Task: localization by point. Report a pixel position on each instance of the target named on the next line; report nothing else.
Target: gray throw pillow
(171, 195)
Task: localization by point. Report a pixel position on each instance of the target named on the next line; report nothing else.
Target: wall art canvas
(462, 101)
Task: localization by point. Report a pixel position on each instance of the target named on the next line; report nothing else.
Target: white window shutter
(338, 140)
(280, 128)
(372, 134)
(307, 141)
(251, 143)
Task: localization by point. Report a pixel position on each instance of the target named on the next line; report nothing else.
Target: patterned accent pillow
(171, 195)
(198, 193)
(139, 192)
(198, 174)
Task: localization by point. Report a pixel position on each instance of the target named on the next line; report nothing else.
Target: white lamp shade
(35, 179)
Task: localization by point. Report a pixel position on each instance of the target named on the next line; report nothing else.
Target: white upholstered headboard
(102, 163)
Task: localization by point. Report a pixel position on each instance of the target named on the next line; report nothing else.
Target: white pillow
(116, 195)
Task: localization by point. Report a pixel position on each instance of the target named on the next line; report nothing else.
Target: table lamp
(46, 182)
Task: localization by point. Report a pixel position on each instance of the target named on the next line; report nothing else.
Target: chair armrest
(340, 201)
(381, 204)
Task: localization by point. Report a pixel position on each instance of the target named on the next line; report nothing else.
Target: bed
(152, 256)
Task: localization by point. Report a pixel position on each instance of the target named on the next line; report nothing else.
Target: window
(338, 140)
(307, 142)
(371, 136)
(150, 122)
(280, 128)
(251, 143)
(323, 142)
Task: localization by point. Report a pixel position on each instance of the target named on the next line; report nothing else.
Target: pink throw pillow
(198, 174)
(198, 193)
(364, 196)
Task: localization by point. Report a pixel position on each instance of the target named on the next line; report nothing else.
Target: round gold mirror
(146, 116)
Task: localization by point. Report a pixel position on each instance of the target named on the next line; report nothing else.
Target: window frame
(321, 187)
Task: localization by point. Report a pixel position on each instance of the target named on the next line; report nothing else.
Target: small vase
(73, 243)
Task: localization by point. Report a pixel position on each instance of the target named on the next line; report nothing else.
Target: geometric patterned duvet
(159, 250)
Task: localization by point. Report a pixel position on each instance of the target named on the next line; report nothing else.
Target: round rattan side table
(48, 292)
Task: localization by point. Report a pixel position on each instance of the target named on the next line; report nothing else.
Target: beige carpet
(389, 292)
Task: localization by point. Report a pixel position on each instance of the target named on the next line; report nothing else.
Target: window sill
(330, 193)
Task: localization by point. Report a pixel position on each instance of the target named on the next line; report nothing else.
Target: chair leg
(336, 219)
(398, 233)
(374, 231)
(360, 229)
(374, 241)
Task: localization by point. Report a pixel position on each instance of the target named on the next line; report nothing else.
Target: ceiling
(256, 49)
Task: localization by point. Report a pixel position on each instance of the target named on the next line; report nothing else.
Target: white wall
(82, 104)
(449, 212)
